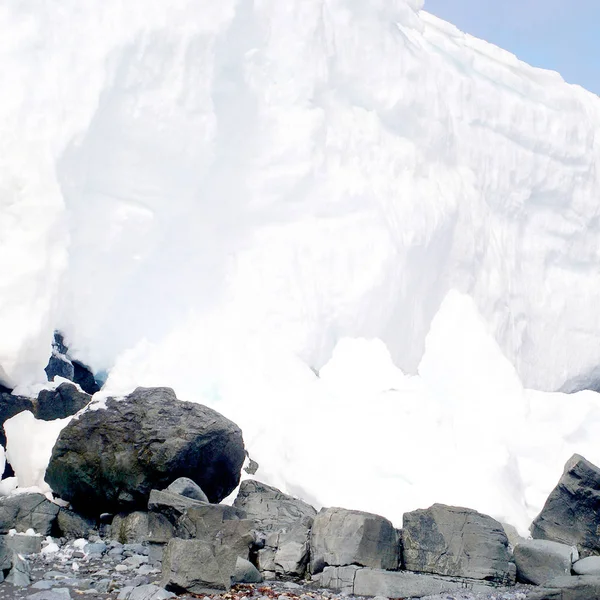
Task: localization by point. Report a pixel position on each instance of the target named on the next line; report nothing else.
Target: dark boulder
(64, 401)
(84, 378)
(108, 460)
(571, 514)
(9, 407)
(27, 511)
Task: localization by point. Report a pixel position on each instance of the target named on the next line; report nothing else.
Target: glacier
(228, 198)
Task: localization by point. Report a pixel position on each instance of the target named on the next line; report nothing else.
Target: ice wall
(287, 173)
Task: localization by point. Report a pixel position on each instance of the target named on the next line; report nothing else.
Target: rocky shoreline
(144, 477)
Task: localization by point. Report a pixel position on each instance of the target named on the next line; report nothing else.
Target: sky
(562, 35)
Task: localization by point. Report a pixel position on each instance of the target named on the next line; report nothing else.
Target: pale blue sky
(562, 35)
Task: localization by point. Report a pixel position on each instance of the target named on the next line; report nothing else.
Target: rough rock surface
(270, 507)
(571, 514)
(209, 520)
(108, 460)
(349, 537)
(245, 572)
(568, 588)
(456, 542)
(538, 561)
(64, 401)
(27, 511)
(72, 525)
(286, 552)
(140, 526)
(195, 566)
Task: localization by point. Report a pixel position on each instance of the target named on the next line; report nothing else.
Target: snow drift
(216, 194)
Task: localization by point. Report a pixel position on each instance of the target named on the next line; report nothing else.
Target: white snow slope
(211, 195)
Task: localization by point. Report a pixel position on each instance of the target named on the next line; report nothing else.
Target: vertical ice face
(294, 172)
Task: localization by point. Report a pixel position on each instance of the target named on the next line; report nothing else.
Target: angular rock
(352, 580)
(245, 572)
(27, 511)
(188, 488)
(9, 407)
(146, 592)
(140, 527)
(73, 526)
(109, 460)
(571, 514)
(84, 378)
(456, 542)
(64, 401)
(195, 566)
(20, 573)
(209, 519)
(286, 552)
(271, 508)
(538, 561)
(587, 566)
(171, 505)
(342, 537)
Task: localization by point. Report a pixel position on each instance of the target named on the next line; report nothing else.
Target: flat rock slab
(571, 514)
(396, 584)
(342, 537)
(538, 561)
(456, 542)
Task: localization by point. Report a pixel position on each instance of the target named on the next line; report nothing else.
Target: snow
(229, 197)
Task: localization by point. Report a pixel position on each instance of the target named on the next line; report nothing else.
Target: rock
(271, 508)
(55, 594)
(109, 460)
(84, 378)
(73, 526)
(9, 407)
(538, 561)
(456, 542)
(352, 580)
(245, 572)
(195, 566)
(587, 566)
(59, 366)
(23, 544)
(171, 505)
(349, 537)
(64, 401)
(571, 514)
(20, 573)
(209, 519)
(286, 552)
(139, 527)
(188, 488)
(27, 511)
(568, 588)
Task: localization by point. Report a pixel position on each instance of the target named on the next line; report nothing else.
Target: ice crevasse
(217, 196)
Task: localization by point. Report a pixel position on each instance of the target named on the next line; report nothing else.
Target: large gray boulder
(139, 527)
(342, 537)
(170, 505)
(245, 572)
(270, 507)
(73, 526)
(108, 460)
(286, 551)
(458, 542)
(196, 566)
(538, 561)
(206, 520)
(27, 511)
(571, 514)
(187, 488)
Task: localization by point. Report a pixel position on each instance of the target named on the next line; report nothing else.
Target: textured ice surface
(211, 195)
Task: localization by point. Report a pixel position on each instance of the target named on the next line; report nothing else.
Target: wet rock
(109, 460)
(456, 542)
